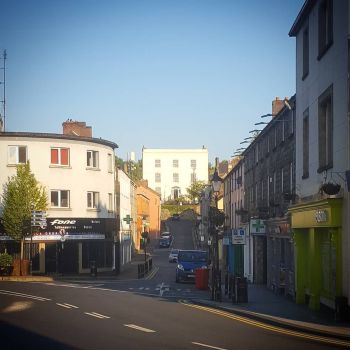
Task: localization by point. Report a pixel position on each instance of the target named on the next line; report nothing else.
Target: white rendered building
(78, 174)
(171, 171)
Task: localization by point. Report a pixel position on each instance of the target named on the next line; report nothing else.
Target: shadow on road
(13, 337)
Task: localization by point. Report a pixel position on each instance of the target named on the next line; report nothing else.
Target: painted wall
(166, 156)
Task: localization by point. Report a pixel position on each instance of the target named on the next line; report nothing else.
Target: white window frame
(59, 199)
(94, 199)
(176, 177)
(110, 162)
(110, 202)
(157, 163)
(193, 163)
(175, 163)
(15, 159)
(157, 177)
(59, 161)
(94, 158)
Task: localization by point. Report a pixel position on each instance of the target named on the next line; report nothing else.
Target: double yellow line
(267, 326)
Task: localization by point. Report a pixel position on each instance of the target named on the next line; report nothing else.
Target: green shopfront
(317, 234)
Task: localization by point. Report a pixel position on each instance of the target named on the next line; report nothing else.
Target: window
(325, 27)
(159, 190)
(175, 163)
(60, 156)
(92, 159)
(175, 177)
(157, 177)
(157, 163)
(110, 163)
(305, 52)
(193, 163)
(306, 144)
(110, 202)
(17, 154)
(93, 200)
(60, 199)
(325, 130)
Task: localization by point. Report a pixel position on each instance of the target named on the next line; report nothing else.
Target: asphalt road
(111, 316)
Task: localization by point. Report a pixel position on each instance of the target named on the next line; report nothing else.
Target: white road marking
(67, 306)
(34, 297)
(95, 314)
(131, 288)
(62, 305)
(147, 288)
(72, 306)
(208, 346)
(147, 330)
(141, 288)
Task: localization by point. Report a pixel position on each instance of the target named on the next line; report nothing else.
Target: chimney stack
(277, 105)
(72, 127)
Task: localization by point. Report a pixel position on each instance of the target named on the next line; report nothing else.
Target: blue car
(187, 263)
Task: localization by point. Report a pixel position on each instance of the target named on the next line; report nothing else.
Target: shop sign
(238, 236)
(257, 226)
(80, 225)
(321, 216)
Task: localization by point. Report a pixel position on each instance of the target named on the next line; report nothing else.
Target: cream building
(78, 174)
(171, 171)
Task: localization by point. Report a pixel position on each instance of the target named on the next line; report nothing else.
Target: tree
(22, 193)
(195, 190)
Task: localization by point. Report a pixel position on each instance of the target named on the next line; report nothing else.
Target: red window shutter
(64, 156)
(54, 156)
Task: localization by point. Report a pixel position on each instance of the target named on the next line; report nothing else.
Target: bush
(5, 260)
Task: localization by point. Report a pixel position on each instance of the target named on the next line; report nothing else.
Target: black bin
(241, 290)
(93, 268)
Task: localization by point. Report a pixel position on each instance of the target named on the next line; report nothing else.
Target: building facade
(269, 183)
(148, 211)
(320, 221)
(78, 174)
(171, 171)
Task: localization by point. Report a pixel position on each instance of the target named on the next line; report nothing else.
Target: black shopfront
(69, 245)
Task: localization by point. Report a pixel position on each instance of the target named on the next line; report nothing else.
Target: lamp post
(216, 274)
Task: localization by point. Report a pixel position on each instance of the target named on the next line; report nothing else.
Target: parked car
(173, 255)
(166, 234)
(164, 242)
(188, 261)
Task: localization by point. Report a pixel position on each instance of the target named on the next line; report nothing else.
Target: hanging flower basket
(330, 188)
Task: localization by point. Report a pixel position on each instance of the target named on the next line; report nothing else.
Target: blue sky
(153, 73)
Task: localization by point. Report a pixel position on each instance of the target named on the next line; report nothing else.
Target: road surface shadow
(13, 337)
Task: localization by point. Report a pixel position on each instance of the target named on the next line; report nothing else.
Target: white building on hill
(171, 171)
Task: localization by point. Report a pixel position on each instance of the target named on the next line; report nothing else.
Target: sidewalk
(129, 272)
(263, 305)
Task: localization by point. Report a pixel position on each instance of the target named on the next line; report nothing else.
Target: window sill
(93, 169)
(12, 165)
(324, 50)
(60, 166)
(93, 209)
(61, 208)
(305, 75)
(323, 168)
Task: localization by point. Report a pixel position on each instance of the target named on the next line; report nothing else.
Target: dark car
(164, 242)
(188, 261)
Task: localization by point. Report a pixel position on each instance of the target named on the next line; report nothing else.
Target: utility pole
(3, 101)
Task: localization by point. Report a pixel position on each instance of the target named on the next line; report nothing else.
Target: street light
(215, 221)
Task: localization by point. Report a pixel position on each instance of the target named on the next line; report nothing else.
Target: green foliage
(216, 216)
(133, 169)
(5, 260)
(171, 209)
(195, 190)
(22, 193)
